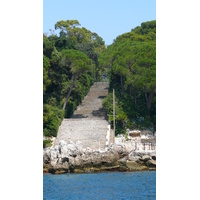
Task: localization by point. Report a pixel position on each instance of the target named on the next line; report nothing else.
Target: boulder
(109, 157)
(72, 151)
(132, 165)
(86, 159)
(46, 155)
(62, 143)
(153, 157)
(133, 157)
(145, 158)
(151, 163)
(120, 149)
(136, 153)
(71, 161)
(64, 151)
(96, 158)
(78, 161)
(122, 160)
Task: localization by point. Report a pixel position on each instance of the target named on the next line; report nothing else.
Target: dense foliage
(77, 57)
(70, 65)
(130, 63)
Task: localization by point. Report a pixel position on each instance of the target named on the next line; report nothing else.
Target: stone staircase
(91, 106)
(88, 123)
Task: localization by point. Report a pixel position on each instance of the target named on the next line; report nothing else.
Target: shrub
(46, 143)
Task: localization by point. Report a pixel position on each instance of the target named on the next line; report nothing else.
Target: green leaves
(132, 63)
(51, 119)
(78, 61)
(69, 58)
(46, 66)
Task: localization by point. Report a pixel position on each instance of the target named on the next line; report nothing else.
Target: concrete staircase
(91, 106)
(88, 123)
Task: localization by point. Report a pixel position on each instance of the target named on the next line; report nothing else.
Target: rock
(88, 151)
(60, 171)
(45, 170)
(68, 150)
(132, 165)
(96, 158)
(145, 158)
(78, 161)
(65, 165)
(111, 168)
(46, 155)
(143, 167)
(120, 149)
(86, 159)
(151, 163)
(109, 157)
(153, 157)
(71, 161)
(123, 168)
(79, 147)
(70, 142)
(135, 153)
(72, 151)
(140, 162)
(54, 156)
(64, 151)
(70, 157)
(62, 143)
(123, 160)
(133, 157)
(79, 171)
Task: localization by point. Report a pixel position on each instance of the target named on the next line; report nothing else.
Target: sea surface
(101, 186)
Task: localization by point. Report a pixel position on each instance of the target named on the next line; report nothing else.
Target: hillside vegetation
(77, 57)
(70, 62)
(130, 63)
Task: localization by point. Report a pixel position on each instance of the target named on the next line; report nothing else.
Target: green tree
(130, 63)
(79, 63)
(46, 66)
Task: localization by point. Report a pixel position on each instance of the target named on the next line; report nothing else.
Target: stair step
(88, 123)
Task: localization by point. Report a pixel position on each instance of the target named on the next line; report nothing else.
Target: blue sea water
(101, 186)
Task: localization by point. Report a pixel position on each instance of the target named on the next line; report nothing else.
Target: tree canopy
(131, 66)
(70, 65)
(77, 57)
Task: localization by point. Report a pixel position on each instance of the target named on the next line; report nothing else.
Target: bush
(46, 143)
(52, 118)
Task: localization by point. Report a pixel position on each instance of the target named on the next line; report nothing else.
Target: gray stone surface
(88, 124)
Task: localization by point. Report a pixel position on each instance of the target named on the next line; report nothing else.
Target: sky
(108, 18)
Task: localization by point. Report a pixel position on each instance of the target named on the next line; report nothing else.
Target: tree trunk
(70, 90)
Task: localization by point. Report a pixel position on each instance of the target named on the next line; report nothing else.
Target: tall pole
(114, 111)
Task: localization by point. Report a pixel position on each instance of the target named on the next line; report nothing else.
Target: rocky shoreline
(71, 158)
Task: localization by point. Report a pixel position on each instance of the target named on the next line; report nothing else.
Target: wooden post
(114, 111)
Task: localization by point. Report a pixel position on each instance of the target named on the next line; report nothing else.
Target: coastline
(71, 158)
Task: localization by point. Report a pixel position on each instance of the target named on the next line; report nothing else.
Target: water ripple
(100, 186)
